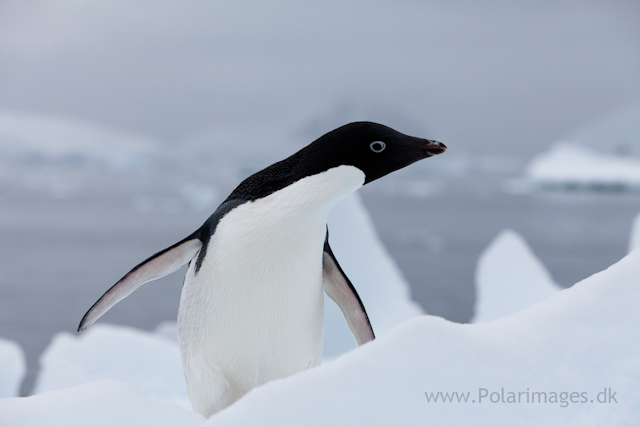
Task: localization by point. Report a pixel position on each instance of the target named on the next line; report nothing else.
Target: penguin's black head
(375, 149)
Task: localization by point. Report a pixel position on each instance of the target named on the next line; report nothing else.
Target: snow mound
(379, 282)
(576, 347)
(634, 239)
(30, 138)
(103, 403)
(12, 368)
(148, 361)
(571, 166)
(509, 278)
(575, 351)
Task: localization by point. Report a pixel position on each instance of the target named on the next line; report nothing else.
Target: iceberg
(12, 368)
(509, 278)
(571, 166)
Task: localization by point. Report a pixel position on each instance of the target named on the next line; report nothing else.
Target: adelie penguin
(251, 308)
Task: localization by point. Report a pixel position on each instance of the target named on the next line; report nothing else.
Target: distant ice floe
(12, 368)
(510, 278)
(571, 166)
(602, 156)
(42, 139)
(67, 158)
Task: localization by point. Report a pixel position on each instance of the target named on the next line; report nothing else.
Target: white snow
(105, 403)
(634, 238)
(12, 368)
(569, 165)
(509, 278)
(582, 340)
(146, 360)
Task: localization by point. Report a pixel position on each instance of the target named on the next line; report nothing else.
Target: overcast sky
(500, 76)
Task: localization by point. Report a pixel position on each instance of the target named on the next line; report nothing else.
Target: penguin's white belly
(254, 310)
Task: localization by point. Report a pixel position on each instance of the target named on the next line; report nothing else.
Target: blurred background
(123, 124)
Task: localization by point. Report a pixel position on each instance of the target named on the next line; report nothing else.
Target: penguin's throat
(309, 199)
(286, 226)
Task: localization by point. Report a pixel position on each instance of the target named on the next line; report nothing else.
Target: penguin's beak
(433, 148)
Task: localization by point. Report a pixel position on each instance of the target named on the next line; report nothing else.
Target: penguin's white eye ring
(377, 146)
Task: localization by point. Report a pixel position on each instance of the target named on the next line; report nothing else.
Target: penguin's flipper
(159, 265)
(339, 288)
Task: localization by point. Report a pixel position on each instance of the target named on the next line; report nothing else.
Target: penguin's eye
(377, 146)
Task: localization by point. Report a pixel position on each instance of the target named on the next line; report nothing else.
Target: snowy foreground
(577, 349)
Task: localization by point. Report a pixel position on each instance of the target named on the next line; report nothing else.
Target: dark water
(58, 256)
